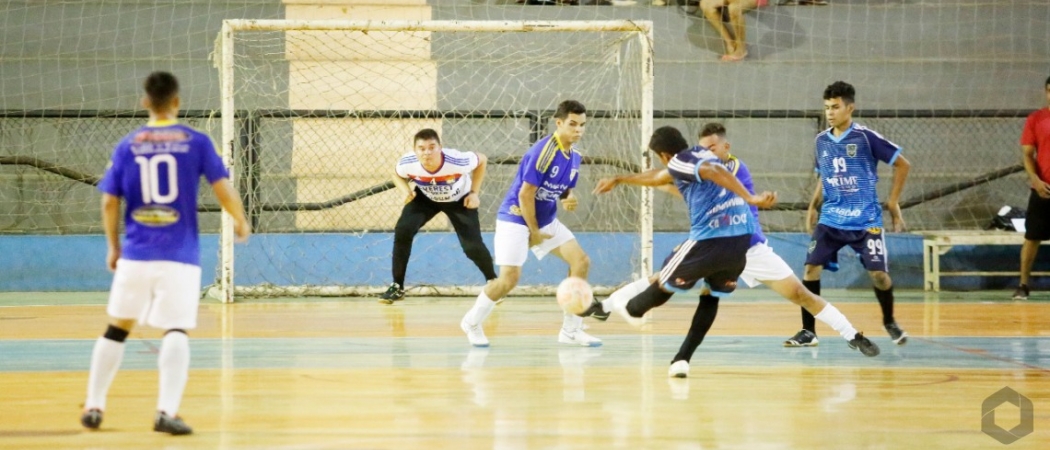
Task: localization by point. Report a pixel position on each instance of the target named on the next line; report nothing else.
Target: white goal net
(316, 114)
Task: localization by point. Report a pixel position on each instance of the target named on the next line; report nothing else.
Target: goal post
(315, 115)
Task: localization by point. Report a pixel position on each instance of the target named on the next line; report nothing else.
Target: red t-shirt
(1037, 133)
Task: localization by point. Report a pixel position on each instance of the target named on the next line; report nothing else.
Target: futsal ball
(574, 295)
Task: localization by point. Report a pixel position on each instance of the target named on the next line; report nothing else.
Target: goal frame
(642, 29)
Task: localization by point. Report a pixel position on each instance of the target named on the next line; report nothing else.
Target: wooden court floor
(354, 374)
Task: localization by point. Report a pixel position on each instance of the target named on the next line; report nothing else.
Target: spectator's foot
(735, 56)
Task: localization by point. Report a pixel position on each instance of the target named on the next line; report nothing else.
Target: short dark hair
(713, 129)
(840, 89)
(569, 107)
(1047, 81)
(161, 87)
(668, 141)
(426, 134)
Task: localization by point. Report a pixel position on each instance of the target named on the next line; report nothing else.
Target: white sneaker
(680, 369)
(578, 337)
(475, 334)
(620, 306)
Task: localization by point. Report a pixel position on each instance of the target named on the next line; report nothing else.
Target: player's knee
(812, 272)
(116, 334)
(881, 280)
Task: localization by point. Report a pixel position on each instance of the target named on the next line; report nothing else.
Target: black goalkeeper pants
(465, 221)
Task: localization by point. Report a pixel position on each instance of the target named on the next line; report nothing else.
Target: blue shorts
(717, 261)
(869, 245)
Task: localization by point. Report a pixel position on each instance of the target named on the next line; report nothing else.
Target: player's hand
(896, 219)
(411, 195)
(472, 201)
(570, 203)
(537, 237)
(764, 200)
(1041, 188)
(604, 185)
(241, 231)
(112, 255)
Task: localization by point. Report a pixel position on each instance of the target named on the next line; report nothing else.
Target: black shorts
(718, 261)
(1037, 220)
(869, 245)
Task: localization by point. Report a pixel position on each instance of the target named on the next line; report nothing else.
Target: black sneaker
(1022, 292)
(171, 425)
(899, 336)
(804, 338)
(595, 311)
(864, 344)
(91, 418)
(393, 293)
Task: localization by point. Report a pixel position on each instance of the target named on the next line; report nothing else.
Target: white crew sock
(571, 322)
(481, 310)
(174, 365)
(837, 321)
(105, 361)
(625, 293)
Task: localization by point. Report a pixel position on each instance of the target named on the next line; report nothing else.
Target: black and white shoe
(804, 338)
(868, 348)
(91, 418)
(899, 336)
(393, 293)
(171, 425)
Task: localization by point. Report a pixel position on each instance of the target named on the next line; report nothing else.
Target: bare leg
(713, 12)
(1028, 252)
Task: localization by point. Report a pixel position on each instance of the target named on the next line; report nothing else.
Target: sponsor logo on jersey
(875, 230)
(155, 215)
(572, 174)
(727, 220)
(845, 212)
(515, 210)
(851, 150)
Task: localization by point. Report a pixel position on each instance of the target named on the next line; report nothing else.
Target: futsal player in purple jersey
(156, 170)
(527, 219)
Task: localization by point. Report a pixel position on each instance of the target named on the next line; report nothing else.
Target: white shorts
(161, 294)
(764, 265)
(512, 242)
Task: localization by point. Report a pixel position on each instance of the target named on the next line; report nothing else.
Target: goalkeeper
(450, 181)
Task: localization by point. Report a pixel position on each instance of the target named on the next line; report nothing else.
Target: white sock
(838, 322)
(174, 365)
(625, 293)
(571, 322)
(482, 307)
(105, 360)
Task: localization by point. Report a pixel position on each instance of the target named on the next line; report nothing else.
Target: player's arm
(527, 204)
(110, 222)
(650, 178)
(1041, 187)
(717, 174)
(901, 167)
(670, 189)
(473, 199)
(401, 183)
(813, 212)
(231, 202)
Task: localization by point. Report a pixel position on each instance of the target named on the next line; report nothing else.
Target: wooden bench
(937, 243)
